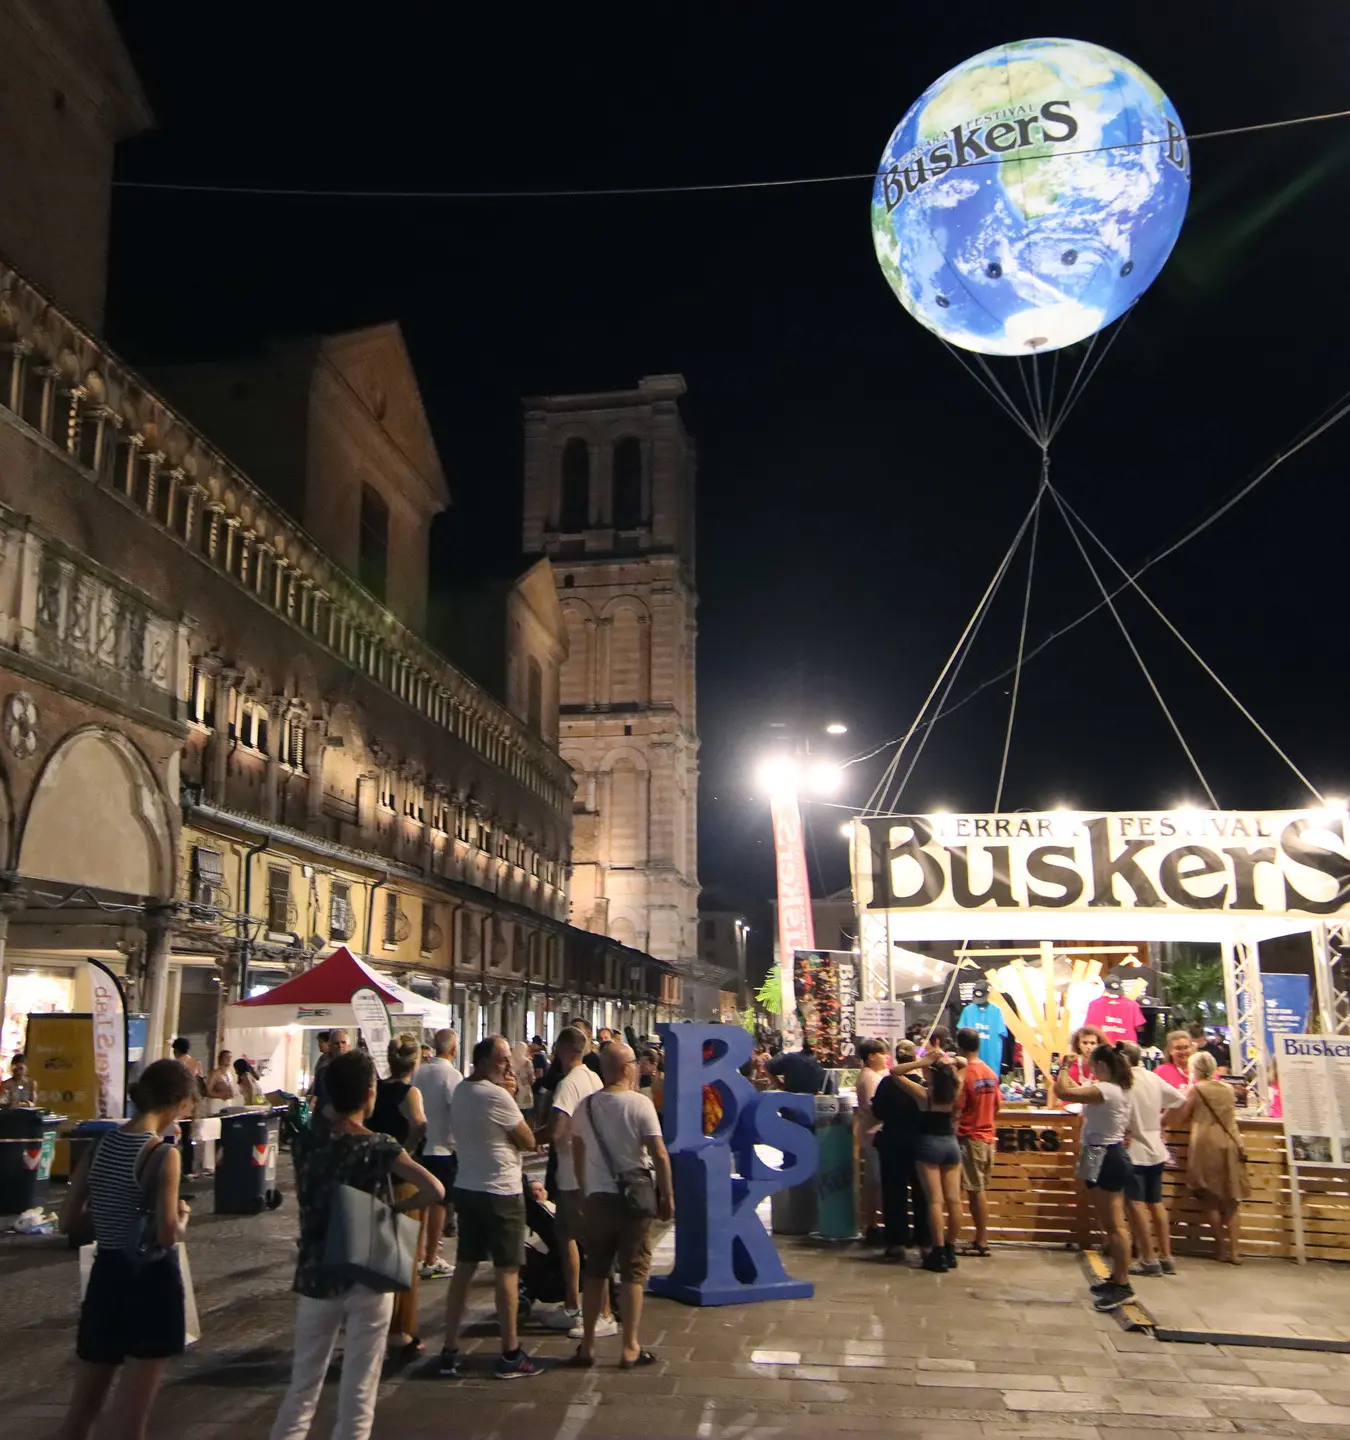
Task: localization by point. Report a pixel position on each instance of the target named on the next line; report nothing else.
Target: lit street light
(836, 728)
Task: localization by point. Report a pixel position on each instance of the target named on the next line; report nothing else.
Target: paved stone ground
(1005, 1346)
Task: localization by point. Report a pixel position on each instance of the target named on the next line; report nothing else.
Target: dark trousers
(903, 1202)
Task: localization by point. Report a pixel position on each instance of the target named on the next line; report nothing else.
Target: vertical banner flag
(110, 1040)
(796, 930)
(826, 984)
(372, 1015)
(1288, 1006)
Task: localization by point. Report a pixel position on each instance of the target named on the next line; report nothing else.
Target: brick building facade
(226, 746)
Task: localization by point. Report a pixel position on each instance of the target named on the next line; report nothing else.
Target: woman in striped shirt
(132, 1316)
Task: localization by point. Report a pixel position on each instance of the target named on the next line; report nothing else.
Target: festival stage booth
(270, 1028)
(1059, 884)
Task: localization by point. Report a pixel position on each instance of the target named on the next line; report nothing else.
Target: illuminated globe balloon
(1030, 196)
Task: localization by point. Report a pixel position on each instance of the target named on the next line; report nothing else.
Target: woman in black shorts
(937, 1155)
(132, 1316)
(1103, 1161)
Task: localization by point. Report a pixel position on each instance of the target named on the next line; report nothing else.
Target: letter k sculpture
(723, 1253)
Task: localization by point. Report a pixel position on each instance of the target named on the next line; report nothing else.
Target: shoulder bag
(637, 1188)
(142, 1247)
(1242, 1154)
(368, 1243)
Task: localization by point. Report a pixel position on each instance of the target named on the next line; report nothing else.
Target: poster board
(1314, 1075)
(880, 1017)
(825, 986)
(372, 1017)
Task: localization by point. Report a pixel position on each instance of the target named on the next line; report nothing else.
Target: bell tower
(609, 498)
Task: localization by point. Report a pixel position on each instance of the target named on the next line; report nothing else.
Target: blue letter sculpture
(723, 1254)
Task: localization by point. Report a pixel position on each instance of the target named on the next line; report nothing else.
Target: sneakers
(517, 1367)
(949, 1255)
(936, 1261)
(1098, 1286)
(1147, 1267)
(605, 1326)
(438, 1269)
(1166, 1265)
(449, 1369)
(1113, 1297)
(559, 1317)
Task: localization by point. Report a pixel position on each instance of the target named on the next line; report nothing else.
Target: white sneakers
(438, 1269)
(605, 1326)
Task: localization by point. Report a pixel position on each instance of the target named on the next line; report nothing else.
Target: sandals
(643, 1357)
(411, 1346)
(579, 1361)
(983, 1250)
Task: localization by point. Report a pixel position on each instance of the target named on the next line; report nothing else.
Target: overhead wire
(956, 659)
(603, 192)
(1022, 633)
(1110, 603)
(1194, 653)
(1329, 417)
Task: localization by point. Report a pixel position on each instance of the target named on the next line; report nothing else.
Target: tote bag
(368, 1244)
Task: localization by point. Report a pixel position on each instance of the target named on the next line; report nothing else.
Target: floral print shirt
(323, 1161)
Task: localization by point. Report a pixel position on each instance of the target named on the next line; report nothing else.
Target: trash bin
(27, 1144)
(793, 1211)
(246, 1170)
(84, 1136)
(836, 1200)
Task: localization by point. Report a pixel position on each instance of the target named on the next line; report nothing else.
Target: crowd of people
(927, 1131)
(449, 1149)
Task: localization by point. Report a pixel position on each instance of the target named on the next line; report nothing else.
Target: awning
(321, 999)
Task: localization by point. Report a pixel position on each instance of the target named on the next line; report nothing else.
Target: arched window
(628, 483)
(627, 659)
(574, 512)
(575, 685)
(627, 814)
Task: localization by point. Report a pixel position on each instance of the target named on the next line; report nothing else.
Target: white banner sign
(110, 1040)
(372, 1016)
(1314, 1078)
(1271, 863)
(880, 1017)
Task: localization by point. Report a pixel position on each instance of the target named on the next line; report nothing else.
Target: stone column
(276, 724)
(157, 922)
(220, 738)
(316, 752)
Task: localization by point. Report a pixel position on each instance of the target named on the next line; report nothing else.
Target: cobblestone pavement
(1005, 1346)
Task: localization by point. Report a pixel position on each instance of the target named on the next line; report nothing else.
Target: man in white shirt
(490, 1137)
(616, 1131)
(577, 1082)
(1149, 1096)
(437, 1079)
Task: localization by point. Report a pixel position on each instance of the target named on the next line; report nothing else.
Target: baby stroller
(541, 1278)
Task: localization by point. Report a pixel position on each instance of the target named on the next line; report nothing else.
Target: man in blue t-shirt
(987, 1021)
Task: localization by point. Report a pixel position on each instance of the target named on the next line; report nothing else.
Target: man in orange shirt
(976, 1107)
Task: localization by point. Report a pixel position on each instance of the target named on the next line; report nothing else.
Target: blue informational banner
(1288, 1007)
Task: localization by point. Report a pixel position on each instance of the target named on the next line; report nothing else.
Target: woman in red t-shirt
(1081, 1045)
(1176, 1068)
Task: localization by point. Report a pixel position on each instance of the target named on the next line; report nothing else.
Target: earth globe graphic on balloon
(1030, 196)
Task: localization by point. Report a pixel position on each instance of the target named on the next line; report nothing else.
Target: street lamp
(836, 728)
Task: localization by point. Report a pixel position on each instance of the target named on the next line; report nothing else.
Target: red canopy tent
(321, 998)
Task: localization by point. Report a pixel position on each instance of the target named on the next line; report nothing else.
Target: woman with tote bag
(337, 1156)
(133, 1316)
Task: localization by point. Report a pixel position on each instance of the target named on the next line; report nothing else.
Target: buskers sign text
(1260, 862)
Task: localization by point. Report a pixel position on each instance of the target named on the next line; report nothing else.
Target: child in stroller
(541, 1278)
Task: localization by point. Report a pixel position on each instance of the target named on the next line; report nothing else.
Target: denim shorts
(937, 1150)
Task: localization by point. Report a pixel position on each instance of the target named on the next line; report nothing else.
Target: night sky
(856, 489)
